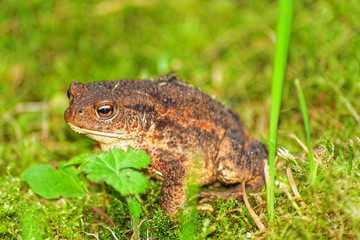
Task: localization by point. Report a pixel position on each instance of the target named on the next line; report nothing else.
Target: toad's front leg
(173, 170)
(173, 193)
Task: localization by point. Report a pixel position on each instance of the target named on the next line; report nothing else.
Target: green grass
(302, 103)
(283, 33)
(225, 48)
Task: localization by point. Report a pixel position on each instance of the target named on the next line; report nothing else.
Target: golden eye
(105, 110)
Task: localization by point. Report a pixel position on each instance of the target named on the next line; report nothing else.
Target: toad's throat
(107, 141)
(93, 133)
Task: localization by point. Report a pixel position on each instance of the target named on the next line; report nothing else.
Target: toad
(177, 125)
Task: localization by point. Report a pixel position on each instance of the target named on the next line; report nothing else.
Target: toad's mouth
(96, 134)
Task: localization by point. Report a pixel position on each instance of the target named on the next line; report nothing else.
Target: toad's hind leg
(236, 163)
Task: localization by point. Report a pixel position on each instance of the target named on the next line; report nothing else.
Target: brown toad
(176, 125)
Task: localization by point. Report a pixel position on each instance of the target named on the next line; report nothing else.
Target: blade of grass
(312, 167)
(281, 50)
(351, 151)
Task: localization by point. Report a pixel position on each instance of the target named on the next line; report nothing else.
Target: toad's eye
(105, 110)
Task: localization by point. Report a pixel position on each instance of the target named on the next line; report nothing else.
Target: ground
(226, 49)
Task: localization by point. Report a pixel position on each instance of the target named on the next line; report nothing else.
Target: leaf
(51, 183)
(133, 182)
(136, 159)
(118, 169)
(79, 159)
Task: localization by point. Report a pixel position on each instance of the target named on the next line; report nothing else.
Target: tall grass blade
(281, 50)
(303, 109)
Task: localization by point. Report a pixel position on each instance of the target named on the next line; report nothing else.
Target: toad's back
(180, 103)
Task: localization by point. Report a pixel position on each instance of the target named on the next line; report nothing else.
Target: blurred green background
(223, 47)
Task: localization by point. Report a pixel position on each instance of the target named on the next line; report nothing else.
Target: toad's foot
(211, 196)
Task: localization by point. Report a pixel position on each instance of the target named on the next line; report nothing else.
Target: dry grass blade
(285, 154)
(347, 104)
(112, 232)
(266, 172)
(293, 136)
(290, 197)
(255, 217)
(293, 185)
(205, 208)
(100, 213)
(133, 236)
(96, 236)
(260, 202)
